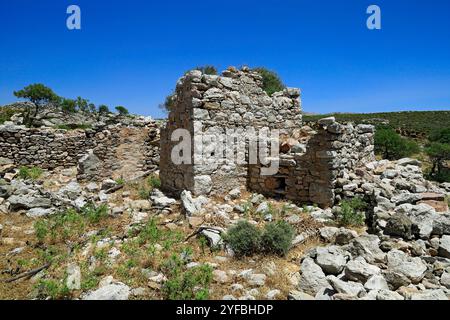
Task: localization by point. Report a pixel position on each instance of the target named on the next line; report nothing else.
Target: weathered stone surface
(351, 288)
(444, 247)
(376, 282)
(413, 268)
(430, 295)
(113, 291)
(312, 278)
(332, 259)
(359, 270)
(73, 281)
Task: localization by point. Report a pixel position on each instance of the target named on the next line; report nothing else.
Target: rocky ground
(61, 239)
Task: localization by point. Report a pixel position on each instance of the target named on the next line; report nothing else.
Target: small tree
(392, 146)
(271, 81)
(82, 104)
(441, 136)
(68, 105)
(211, 70)
(92, 108)
(103, 109)
(439, 153)
(122, 110)
(39, 95)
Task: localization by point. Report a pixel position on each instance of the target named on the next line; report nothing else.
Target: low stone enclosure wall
(312, 175)
(107, 147)
(209, 106)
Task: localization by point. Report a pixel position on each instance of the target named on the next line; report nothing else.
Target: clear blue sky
(132, 52)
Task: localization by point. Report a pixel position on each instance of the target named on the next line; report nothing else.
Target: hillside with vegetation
(410, 123)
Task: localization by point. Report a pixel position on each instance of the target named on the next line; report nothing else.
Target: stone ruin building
(311, 160)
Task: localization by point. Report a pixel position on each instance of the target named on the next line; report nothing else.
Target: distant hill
(415, 124)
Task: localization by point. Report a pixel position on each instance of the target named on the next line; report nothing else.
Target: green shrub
(27, 173)
(6, 113)
(103, 109)
(390, 145)
(351, 212)
(439, 154)
(122, 110)
(185, 284)
(440, 136)
(53, 289)
(210, 70)
(277, 237)
(271, 81)
(244, 239)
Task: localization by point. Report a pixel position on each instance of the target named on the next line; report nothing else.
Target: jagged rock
(213, 235)
(399, 225)
(403, 198)
(273, 294)
(331, 259)
(28, 201)
(108, 184)
(389, 295)
(444, 247)
(39, 212)
(113, 291)
(220, 276)
(376, 282)
(263, 208)
(413, 268)
(312, 278)
(408, 161)
(396, 279)
(299, 296)
(360, 270)
(187, 203)
(88, 166)
(257, 279)
(441, 224)
(202, 185)
(345, 236)
(368, 246)
(160, 200)
(73, 281)
(71, 191)
(328, 233)
(355, 289)
(235, 193)
(445, 280)
(430, 295)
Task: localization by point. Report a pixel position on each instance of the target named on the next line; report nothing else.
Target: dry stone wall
(209, 106)
(333, 153)
(49, 148)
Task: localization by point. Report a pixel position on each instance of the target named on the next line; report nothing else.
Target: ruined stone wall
(209, 106)
(332, 154)
(49, 148)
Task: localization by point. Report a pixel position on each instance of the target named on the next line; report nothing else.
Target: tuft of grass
(154, 182)
(32, 173)
(120, 181)
(182, 284)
